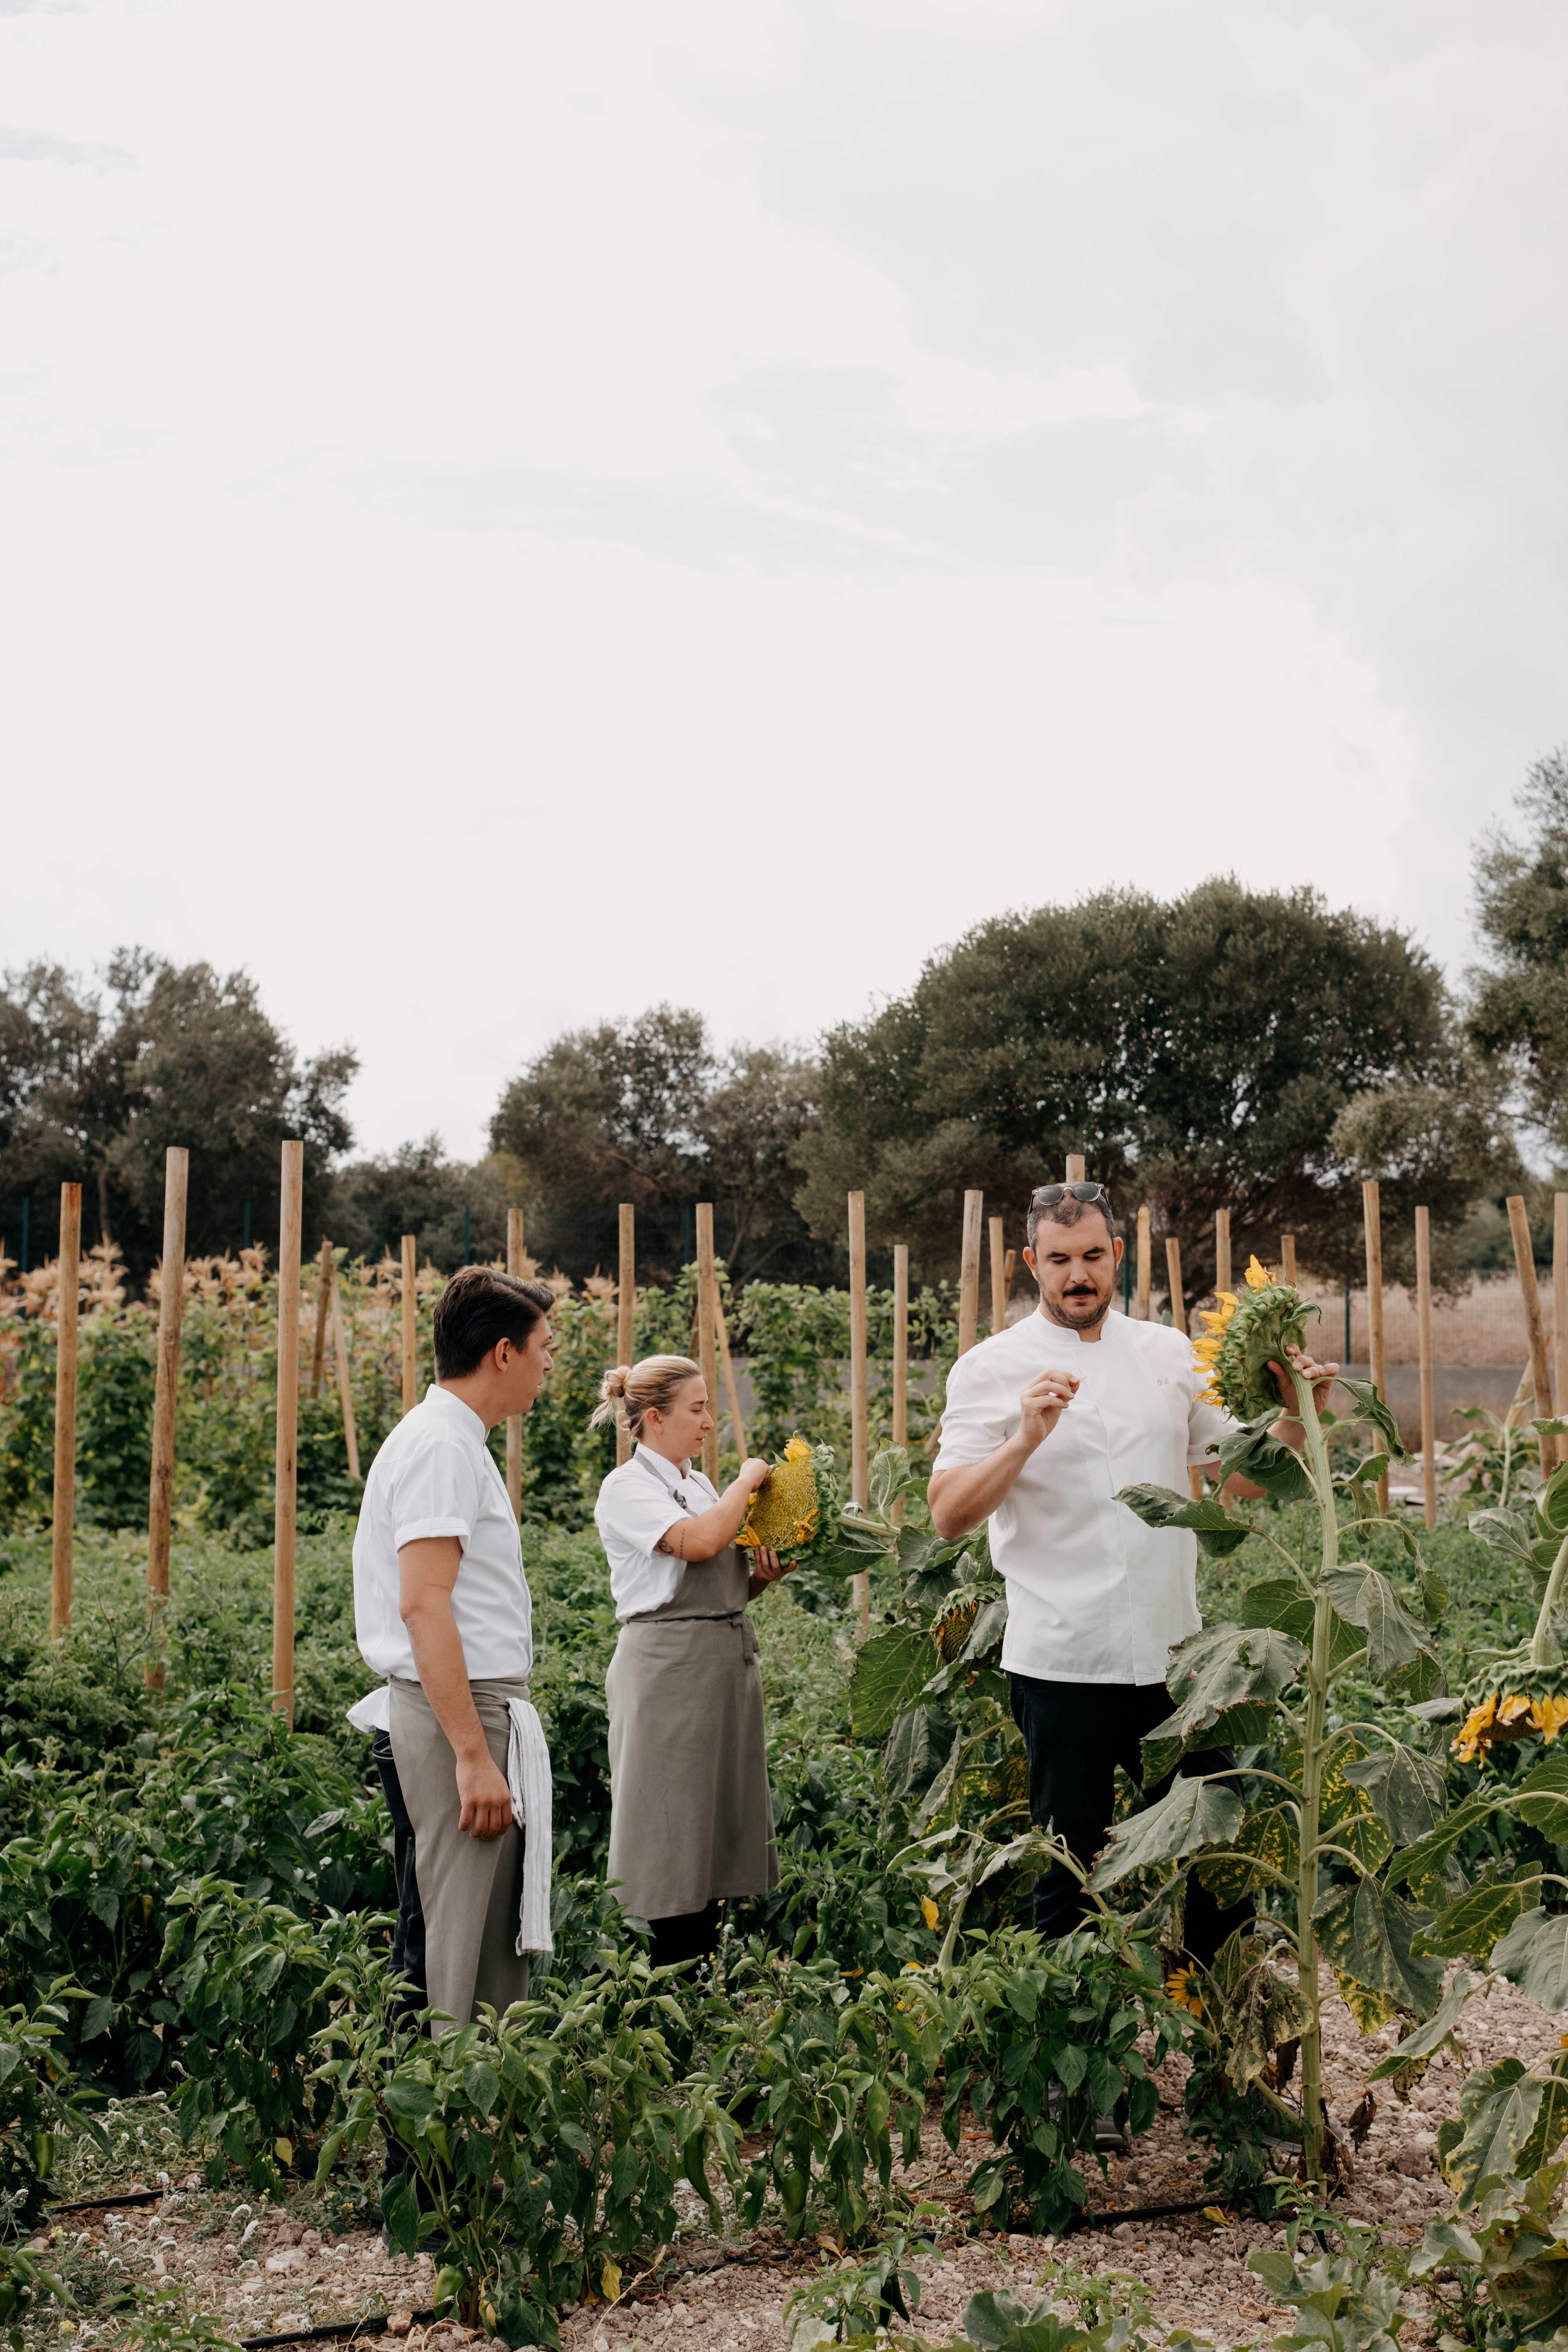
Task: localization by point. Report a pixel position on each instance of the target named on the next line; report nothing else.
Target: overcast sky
(509, 512)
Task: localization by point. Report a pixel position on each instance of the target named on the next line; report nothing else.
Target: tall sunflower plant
(1335, 1829)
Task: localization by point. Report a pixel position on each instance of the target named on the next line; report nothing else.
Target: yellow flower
(1182, 1987)
(1504, 1716)
(928, 1911)
(1259, 1277)
(1473, 1732)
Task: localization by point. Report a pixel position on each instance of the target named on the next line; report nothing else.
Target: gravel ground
(260, 2271)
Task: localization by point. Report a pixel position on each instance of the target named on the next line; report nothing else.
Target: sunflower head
(1250, 1331)
(1182, 1988)
(785, 1514)
(1516, 1702)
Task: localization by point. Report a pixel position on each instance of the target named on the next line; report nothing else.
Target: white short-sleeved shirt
(1093, 1595)
(435, 1475)
(633, 1511)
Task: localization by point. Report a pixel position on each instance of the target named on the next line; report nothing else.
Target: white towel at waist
(373, 1711)
(532, 1802)
(533, 1798)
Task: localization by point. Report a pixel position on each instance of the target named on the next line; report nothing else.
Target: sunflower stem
(1312, 1751)
(1543, 1650)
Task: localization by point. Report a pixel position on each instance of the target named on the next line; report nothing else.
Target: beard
(1078, 1310)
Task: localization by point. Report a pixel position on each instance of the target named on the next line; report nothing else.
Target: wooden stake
(707, 1341)
(1145, 1265)
(63, 1505)
(286, 1487)
(161, 1497)
(732, 1393)
(1372, 1216)
(998, 1278)
(1075, 1168)
(859, 1442)
(1287, 1259)
(901, 1341)
(1535, 1328)
(345, 1382)
(1195, 1486)
(626, 1308)
(324, 1310)
(1424, 1330)
(968, 1274)
(1560, 1303)
(514, 1264)
(1173, 1276)
(1221, 1250)
(410, 1326)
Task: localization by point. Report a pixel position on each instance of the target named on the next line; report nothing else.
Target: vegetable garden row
(193, 1896)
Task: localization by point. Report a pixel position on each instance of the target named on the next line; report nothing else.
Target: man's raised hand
(1043, 1404)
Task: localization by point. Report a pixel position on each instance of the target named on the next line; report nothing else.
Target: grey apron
(690, 1813)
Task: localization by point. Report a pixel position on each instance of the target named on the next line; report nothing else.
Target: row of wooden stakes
(713, 1349)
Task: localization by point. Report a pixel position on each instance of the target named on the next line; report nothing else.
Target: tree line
(1257, 1050)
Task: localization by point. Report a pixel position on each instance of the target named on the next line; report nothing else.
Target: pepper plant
(1327, 1820)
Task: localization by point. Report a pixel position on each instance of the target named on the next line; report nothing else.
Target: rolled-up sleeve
(435, 1491)
(975, 1416)
(634, 1521)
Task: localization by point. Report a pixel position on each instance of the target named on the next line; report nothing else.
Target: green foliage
(854, 2299)
(40, 2105)
(1521, 1006)
(1039, 2041)
(1157, 1062)
(253, 1983)
(24, 2283)
(542, 2146)
(114, 1419)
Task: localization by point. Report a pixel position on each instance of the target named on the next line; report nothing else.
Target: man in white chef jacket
(1045, 1422)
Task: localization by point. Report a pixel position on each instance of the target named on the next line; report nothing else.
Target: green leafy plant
(254, 1983)
(1037, 2040)
(541, 2147)
(855, 2299)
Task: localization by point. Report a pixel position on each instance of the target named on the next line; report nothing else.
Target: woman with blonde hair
(691, 1817)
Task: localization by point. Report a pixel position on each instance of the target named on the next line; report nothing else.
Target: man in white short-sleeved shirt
(442, 1609)
(1043, 1424)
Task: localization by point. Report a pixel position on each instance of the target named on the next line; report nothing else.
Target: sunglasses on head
(1048, 1195)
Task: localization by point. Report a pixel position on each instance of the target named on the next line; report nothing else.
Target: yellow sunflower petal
(1259, 1277)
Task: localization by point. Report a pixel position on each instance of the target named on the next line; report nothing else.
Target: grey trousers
(471, 1888)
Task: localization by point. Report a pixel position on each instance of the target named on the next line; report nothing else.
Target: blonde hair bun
(630, 1391)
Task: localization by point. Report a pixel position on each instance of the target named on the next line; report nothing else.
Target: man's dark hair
(480, 1306)
(1069, 1212)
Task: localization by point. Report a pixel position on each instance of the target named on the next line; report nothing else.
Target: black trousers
(684, 1936)
(1075, 1735)
(408, 1935)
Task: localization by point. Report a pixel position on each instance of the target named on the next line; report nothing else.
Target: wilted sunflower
(1249, 1332)
(1519, 1702)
